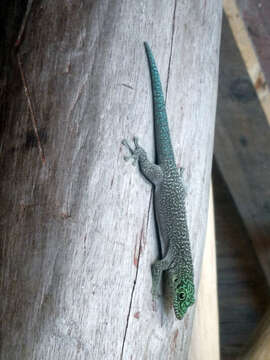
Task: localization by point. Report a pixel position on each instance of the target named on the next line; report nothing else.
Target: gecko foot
(134, 152)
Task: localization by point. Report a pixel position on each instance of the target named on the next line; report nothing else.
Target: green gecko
(169, 203)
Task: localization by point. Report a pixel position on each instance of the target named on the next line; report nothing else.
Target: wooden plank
(242, 292)
(250, 27)
(242, 146)
(78, 232)
(205, 332)
(246, 48)
(255, 15)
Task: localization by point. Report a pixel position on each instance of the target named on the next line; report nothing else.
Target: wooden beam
(248, 53)
(205, 333)
(78, 233)
(242, 145)
(247, 172)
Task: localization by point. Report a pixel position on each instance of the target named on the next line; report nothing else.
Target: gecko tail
(164, 150)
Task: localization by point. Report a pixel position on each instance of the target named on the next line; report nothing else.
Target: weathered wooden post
(77, 230)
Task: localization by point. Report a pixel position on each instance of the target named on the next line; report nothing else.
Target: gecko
(169, 203)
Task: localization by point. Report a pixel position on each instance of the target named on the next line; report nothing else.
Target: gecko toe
(136, 141)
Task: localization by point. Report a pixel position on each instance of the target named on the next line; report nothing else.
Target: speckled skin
(169, 204)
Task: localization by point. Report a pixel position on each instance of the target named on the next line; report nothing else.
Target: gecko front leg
(151, 171)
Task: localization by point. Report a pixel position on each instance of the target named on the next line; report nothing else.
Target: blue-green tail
(164, 150)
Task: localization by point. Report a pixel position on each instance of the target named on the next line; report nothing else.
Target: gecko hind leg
(157, 268)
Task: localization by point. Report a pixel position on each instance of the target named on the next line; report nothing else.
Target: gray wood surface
(78, 231)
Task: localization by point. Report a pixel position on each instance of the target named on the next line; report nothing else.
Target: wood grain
(78, 232)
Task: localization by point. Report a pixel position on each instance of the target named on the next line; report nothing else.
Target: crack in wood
(170, 57)
(136, 274)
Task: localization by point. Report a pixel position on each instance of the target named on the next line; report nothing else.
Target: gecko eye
(182, 296)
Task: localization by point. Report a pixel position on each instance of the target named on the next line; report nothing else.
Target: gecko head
(183, 296)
